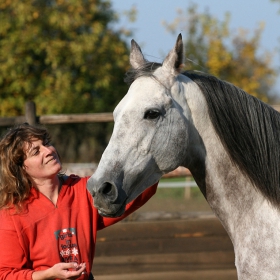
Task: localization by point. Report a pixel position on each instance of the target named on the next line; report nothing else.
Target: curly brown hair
(15, 183)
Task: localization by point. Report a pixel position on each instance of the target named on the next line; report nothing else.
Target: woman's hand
(63, 271)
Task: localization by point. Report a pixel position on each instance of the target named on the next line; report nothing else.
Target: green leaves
(60, 54)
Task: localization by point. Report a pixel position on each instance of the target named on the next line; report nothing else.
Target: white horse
(229, 140)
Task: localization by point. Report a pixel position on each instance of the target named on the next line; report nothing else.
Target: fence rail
(32, 118)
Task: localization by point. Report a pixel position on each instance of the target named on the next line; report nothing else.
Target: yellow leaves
(5, 4)
(212, 47)
(35, 15)
(215, 33)
(218, 57)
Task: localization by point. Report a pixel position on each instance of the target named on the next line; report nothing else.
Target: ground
(174, 236)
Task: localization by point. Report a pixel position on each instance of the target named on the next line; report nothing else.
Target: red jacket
(45, 234)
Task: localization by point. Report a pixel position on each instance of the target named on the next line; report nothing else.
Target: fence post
(30, 112)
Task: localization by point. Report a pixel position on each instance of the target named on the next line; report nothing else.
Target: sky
(156, 42)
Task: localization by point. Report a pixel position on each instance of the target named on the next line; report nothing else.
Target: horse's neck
(251, 221)
(229, 193)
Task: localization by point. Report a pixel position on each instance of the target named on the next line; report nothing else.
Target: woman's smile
(41, 160)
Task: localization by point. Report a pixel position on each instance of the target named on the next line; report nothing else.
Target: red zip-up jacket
(45, 234)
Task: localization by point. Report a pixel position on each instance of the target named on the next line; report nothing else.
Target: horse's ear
(174, 59)
(136, 57)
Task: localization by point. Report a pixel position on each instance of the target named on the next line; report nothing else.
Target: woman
(48, 223)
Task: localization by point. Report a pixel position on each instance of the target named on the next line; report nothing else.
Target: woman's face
(41, 161)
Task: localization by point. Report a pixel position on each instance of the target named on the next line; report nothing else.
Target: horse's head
(150, 136)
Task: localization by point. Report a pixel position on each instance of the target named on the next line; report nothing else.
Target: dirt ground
(177, 200)
(172, 237)
(228, 274)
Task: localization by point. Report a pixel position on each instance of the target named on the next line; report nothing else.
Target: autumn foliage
(232, 56)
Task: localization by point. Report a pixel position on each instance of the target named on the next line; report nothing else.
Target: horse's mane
(248, 128)
(147, 69)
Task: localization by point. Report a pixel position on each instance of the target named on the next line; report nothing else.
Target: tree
(65, 56)
(212, 48)
(62, 54)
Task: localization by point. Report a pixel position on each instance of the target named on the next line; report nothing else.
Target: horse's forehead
(143, 85)
(143, 92)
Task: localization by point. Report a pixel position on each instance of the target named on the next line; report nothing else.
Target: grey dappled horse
(228, 139)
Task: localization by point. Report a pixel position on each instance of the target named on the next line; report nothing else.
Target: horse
(228, 139)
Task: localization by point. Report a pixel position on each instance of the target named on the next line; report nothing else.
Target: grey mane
(248, 128)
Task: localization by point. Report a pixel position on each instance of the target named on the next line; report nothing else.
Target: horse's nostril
(107, 191)
(106, 188)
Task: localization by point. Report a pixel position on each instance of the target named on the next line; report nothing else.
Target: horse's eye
(151, 114)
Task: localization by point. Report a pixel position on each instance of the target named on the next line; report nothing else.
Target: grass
(175, 179)
(178, 193)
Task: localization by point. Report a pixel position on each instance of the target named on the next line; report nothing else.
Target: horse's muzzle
(108, 191)
(107, 199)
